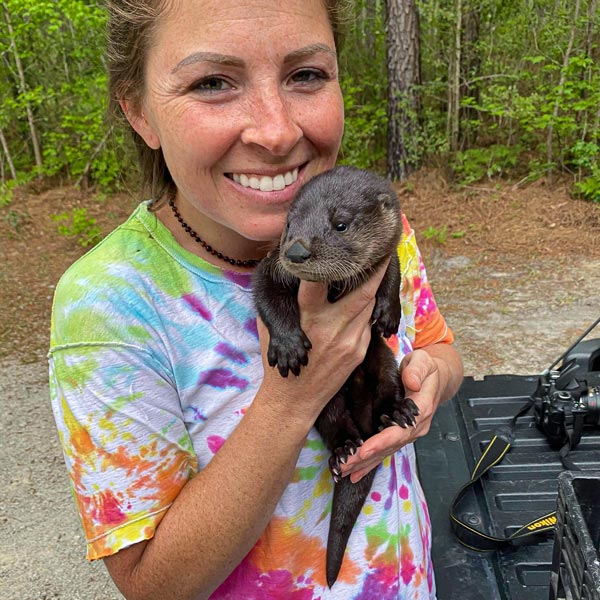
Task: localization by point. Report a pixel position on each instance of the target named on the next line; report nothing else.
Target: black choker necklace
(219, 255)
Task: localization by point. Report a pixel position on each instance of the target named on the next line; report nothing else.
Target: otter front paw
(386, 317)
(289, 352)
(340, 457)
(403, 413)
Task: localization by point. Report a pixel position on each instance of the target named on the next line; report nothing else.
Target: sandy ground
(512, 321)
(42, 554)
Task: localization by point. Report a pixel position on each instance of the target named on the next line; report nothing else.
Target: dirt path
(516, 321)
(516, 283)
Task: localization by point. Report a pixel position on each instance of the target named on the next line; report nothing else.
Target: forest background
(484, 88)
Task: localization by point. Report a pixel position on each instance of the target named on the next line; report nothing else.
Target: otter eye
(341, 227)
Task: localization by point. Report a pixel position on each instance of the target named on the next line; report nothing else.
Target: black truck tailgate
(522, 487)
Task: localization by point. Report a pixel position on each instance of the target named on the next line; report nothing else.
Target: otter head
(341, 225)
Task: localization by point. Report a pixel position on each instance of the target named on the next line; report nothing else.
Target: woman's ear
(139, 122)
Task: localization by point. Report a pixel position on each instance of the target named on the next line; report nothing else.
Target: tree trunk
(23, 88)
(83, 178)
(561, 87)
(471, 71)
(590, 32)
(6, 151)
(453, 117)
(404, 79)
(370, 17)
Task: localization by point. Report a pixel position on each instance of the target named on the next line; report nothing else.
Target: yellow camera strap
(479, 540)
(493, 454)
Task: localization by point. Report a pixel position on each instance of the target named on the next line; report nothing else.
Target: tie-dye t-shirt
(154, 360)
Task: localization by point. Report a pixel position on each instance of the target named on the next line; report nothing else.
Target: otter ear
(138, 120)
(386, 200)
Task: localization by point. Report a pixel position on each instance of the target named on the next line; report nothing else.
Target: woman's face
(243, 98)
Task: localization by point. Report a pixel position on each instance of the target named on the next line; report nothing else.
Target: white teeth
(266, 183)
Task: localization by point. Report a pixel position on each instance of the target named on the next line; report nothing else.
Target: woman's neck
(227, 251)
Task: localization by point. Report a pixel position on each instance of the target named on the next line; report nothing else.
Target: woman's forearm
(219, 515)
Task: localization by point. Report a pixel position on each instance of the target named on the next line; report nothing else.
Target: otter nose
(297, 253)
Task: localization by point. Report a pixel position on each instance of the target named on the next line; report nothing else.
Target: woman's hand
(430, 375)
(339, 332)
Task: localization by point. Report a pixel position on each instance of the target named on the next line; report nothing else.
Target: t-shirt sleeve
(125, 445)
(115, 402)
(424, 322)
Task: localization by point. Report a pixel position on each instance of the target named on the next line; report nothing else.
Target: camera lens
(592, 402)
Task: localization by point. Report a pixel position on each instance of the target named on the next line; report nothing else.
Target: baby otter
(341, 226)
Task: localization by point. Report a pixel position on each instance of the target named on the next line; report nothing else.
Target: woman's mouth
(265, 183)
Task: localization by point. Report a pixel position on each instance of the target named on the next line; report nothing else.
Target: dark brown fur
(340, 228)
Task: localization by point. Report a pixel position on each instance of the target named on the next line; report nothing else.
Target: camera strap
(493, 454)
(572, 423)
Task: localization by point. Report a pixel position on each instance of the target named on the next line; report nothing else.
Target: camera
(566, 399)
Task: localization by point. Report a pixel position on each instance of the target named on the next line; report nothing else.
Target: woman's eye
(211, 85)
(341, 227)
(308, 76)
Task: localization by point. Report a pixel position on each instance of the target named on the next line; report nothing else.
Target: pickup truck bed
(522, 487)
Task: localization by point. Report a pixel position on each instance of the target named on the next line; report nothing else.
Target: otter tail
(348, 500)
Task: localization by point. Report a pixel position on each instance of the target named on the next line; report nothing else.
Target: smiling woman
(225, 106)
(195, 466)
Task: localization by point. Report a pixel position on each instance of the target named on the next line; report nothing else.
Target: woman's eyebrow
(309, 51)
(214, 57)
(226, 59)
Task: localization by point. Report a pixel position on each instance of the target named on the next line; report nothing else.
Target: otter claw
(404, 413)
(289, 352)
(340, 457)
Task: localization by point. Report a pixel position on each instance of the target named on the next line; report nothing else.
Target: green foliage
(363, 80)
(584, 158)
(440, 236)
(15, 220)
(6, 195)
(589, 187)
(435, 234)
(530, 87)
(365, 127)
(78, 224)
(530, 91)
(60, 47)
(7, 188)
(476, 163)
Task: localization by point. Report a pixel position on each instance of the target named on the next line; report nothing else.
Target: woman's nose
(271, 124)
